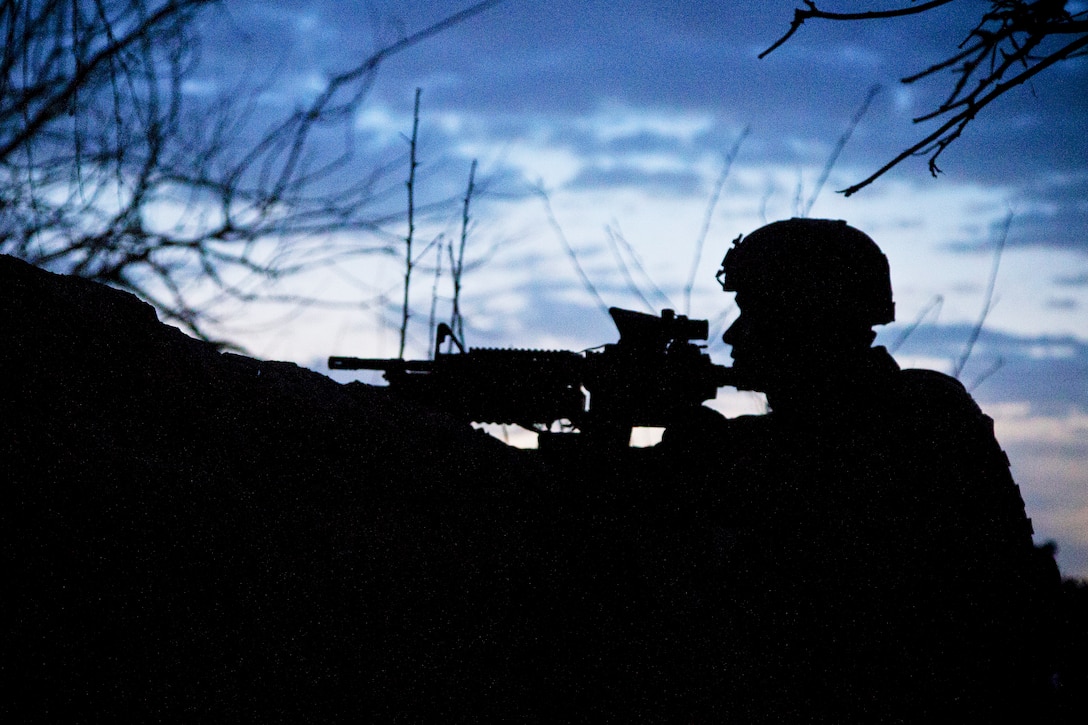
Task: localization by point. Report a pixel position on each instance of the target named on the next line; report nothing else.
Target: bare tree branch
(800, 16)
(936, 142)
(1007, 36)
(110, 171)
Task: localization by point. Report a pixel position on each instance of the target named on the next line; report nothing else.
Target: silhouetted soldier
(873, 549)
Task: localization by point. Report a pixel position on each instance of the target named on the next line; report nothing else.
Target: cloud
(678, 182)
(1062, 303)
(1049, 211)
(1055, 214)
(1072, 280)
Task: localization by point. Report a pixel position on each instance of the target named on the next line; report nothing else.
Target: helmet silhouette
(821, 262)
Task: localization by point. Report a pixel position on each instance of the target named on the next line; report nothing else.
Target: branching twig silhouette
(96, 134)
(1001, 52)
(800, 16)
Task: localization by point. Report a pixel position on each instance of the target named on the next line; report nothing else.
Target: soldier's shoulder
(933, 392)
(935, 385)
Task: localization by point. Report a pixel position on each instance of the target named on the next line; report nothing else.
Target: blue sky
(624, 113)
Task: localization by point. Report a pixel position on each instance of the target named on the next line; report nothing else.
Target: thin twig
(616, 235)
(457, 266)
(765, 200)
(987, 303)
(408, 262)
(625, 269)
(709, 215)
(431, 319)
(554, 223)
(800, 16)
(933, 306)
(985, 374)
(834, 157)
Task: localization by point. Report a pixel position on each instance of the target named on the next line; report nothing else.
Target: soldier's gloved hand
(697, 430)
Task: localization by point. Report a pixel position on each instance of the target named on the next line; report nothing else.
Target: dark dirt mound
(192, 534)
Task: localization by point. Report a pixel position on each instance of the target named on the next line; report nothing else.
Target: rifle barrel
(376, 363)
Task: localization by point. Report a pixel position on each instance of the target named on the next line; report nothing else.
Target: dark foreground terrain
(189, 535)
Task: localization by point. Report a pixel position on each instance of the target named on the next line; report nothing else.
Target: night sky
(624, 116)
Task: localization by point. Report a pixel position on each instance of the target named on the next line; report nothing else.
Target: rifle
(653, 376)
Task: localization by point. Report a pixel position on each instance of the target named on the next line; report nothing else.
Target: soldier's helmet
(822, 264)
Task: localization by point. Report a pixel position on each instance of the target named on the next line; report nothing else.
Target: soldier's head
(809, 293)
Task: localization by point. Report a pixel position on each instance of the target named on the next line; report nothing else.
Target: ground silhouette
(189, 534)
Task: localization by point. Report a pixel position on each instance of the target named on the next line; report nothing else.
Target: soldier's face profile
(770, 339)
(753, 340)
